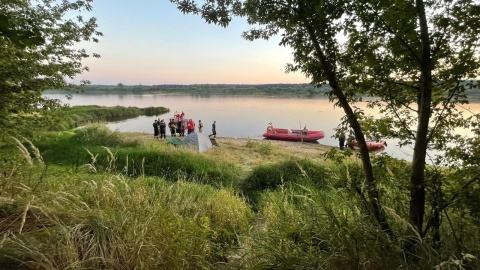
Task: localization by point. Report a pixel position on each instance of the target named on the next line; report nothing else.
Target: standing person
(214, 129)
(181, 128)
(200, 126)
(155, 129)
(172, 127)
(341, 140)
(162, 126)
(191, 126)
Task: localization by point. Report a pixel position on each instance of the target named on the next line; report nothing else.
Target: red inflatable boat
(296, 135)
(371, 145)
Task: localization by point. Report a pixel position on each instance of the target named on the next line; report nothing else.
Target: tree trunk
(374, 204)
(373, 197)
(417, 174)
(417, 179)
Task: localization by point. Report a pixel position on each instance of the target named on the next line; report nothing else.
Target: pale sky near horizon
(151, 42)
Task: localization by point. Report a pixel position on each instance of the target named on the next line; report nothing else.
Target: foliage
(419, 58)
(109, 221)
(38, 51)
(308, 215)
(103, 150)
(302, 90)
(387, 35)
(76, 116)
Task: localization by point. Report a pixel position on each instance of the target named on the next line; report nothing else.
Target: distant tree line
(304, 90)
(299, 90)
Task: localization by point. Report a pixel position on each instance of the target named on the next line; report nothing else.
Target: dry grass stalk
(93, 157)
(35, 150)
(111, 159)
(23, 151)
(403, 221)
(24, 217)
(90, 167)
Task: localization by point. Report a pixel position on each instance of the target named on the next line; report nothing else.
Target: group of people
(344, 141)
(178, 126)
(159, 129)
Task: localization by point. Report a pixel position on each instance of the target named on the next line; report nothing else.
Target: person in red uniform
(191, 126)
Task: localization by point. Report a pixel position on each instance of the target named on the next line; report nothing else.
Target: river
(235, 116)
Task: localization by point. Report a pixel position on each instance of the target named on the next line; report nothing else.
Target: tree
(417, 53)
(405, 52)
(310, 29)
(38, 52)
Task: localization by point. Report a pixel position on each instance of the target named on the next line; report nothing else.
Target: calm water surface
(236, 116)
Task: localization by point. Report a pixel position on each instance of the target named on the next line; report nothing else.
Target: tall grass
(290, 172)
(100, 200)
(111, 222)
(264, 148)
(317, 230)
(107, 150)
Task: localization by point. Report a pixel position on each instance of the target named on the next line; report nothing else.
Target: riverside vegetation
(284, 90)
(92, 198)
(76, 116)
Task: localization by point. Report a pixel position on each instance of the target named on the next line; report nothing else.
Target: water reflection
(237, 116)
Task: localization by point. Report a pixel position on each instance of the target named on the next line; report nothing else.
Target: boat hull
(294, 135)
(371, 145)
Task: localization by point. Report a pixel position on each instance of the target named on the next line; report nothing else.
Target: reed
(24, 152)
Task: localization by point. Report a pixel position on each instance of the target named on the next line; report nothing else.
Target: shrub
(98, 134)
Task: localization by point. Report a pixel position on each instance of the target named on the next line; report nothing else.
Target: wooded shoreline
(298, 90)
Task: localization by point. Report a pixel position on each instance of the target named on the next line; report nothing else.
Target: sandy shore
(249, 153)
(305, 147)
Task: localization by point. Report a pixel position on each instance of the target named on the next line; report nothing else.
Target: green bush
(98, 135)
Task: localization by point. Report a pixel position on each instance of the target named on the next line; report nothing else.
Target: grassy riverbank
(96, 199)
(70, 117)
(66, 117)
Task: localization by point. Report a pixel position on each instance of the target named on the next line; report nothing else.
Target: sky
(151, 42)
